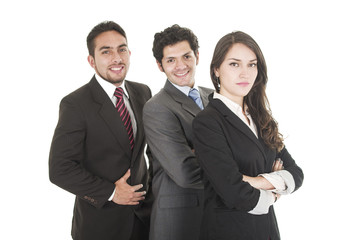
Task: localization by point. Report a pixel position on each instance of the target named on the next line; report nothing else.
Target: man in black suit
(97, 152)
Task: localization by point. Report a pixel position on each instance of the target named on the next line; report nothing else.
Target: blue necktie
(195, 95)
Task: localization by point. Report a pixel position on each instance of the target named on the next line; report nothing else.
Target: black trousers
(140, 230)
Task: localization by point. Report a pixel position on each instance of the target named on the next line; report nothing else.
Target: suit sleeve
(67, 154)
(219, 167)
(295, 173)
(169, 146)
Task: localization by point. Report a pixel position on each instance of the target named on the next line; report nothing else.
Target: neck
(236, 99)
(117, 84)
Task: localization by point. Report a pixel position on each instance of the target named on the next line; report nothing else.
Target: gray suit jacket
(177, 186)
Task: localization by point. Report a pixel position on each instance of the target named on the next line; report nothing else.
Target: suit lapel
(237, 123)
(186, 103)
(204, 94)
(110, 115)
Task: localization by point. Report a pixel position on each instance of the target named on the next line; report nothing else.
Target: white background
(313, 52)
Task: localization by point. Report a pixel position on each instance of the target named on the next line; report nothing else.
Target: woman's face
(237, 73)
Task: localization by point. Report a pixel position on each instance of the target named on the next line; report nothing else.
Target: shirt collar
(184, 89)
(108, 87)
(238, 111)
(233, 106)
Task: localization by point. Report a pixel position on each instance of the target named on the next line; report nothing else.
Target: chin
(114, 81)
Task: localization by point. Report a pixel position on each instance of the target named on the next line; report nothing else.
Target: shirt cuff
(111, 197)
(282, 181)
(266, 199)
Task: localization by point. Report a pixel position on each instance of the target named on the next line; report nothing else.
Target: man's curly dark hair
(171, 36)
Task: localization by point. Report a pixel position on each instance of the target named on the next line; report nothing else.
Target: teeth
(116, 69)
(181, 74)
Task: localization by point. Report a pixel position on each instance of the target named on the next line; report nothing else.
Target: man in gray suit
(177, 210)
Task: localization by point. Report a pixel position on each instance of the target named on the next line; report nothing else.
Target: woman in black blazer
(245, 165)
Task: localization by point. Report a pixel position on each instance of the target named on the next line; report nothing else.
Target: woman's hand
(260, 182)
(277, 165)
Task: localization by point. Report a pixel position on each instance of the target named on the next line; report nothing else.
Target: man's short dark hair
(171, 36)
(101, 28)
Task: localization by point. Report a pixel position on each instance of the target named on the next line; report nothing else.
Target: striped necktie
(124, 114)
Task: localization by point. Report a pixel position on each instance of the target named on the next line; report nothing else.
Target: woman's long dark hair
(256, 100)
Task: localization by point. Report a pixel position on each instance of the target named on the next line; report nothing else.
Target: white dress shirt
(184, 89)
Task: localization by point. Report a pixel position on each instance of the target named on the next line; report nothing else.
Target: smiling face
(237, 73)
(179, 64)
(111, 57)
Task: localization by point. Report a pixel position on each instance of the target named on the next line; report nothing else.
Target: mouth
(117, 69)
(180, 75)
(243, 84)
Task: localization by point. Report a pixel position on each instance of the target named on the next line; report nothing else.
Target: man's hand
(126, 194)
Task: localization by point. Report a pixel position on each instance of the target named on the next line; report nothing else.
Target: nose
(117, 58)
(243, 72)
(180, 64)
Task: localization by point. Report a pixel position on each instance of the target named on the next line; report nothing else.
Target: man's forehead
(101, 47)
(110, 39)
(172, 55)
(178, 49)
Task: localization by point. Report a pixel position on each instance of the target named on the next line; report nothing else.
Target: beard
(108, 78)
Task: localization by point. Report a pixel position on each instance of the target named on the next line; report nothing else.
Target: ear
(91, 61)
(159, 66)
(216, 72)
(197, 58)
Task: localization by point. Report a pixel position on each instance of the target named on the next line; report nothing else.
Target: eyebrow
(108, 47)
(189, 52)
(171, 57)
(238, 60)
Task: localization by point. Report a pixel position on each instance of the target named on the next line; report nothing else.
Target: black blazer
(226, 149)
(90, 151)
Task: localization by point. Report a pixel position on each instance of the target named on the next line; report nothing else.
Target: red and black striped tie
(124, 114)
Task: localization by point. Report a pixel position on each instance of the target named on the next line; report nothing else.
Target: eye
(105, 52)
(170, 60)
(187, 56)
(123, 49)
(252, 65)
(234, 64)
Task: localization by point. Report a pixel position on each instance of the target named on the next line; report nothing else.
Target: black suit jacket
(90, 151)
(226, 149)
